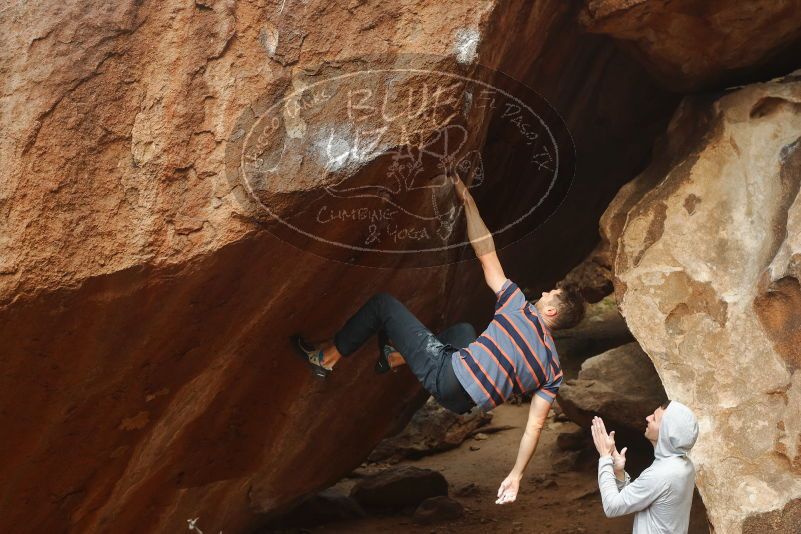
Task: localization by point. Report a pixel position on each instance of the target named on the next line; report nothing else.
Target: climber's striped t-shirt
(515, 354)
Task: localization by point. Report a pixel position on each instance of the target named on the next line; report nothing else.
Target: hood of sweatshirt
(678, 431)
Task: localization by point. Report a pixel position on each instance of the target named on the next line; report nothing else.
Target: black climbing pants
(427, 355)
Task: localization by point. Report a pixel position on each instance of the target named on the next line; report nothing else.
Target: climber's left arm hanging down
(537, 414)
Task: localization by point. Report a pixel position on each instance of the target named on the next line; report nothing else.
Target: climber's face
(550, 297)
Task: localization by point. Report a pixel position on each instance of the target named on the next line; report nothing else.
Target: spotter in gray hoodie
(662, 495)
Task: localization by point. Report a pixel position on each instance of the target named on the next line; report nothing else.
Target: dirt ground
(559, 492)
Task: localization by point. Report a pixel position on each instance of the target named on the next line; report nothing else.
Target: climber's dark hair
(571, 308)
(665, 404)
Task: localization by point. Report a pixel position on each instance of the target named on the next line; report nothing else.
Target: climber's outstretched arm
(481, 238)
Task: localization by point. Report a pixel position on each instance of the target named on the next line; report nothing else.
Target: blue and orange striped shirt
(515, 354)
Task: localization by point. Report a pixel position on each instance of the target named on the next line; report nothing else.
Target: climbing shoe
(382, 365)
(311, 355)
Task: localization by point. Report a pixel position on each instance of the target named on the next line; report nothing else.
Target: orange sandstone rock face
(145, 301)
(692, 44)
(707, 258)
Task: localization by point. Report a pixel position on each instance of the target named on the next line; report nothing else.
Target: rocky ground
(559, 491)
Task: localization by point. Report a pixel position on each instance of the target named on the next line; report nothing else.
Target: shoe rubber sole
(319, 372)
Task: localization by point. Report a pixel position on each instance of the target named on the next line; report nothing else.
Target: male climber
(515, 354)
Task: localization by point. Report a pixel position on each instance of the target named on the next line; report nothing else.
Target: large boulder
(707, 262)
(146, 297)
(620, 385)
(146, 377)
(691, 44)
